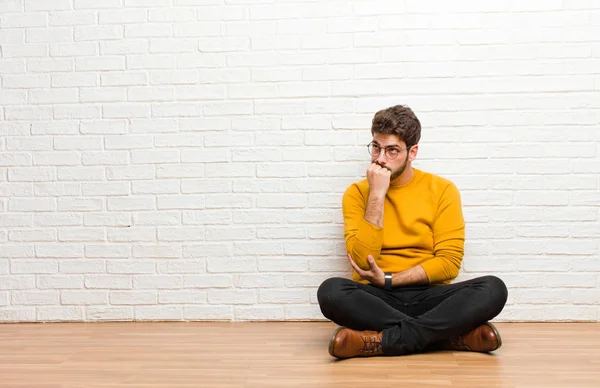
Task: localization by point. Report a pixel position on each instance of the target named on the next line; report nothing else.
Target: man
(404, 232)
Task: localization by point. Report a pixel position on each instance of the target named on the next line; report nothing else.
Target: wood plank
(280, 354)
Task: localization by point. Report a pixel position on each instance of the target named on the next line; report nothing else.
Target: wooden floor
(218, 355)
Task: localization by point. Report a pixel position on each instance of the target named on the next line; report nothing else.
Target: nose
(381, 159)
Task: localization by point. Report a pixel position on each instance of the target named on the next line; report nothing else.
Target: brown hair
(398, 120)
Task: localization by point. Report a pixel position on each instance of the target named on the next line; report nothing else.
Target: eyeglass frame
(385, 150)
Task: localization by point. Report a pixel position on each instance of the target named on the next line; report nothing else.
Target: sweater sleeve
(362, 237)
(448, 238)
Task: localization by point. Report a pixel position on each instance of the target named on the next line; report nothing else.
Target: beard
(399, 171)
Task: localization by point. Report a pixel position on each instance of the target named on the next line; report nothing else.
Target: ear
(414, 150)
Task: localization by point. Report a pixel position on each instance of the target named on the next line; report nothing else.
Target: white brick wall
(185, 159)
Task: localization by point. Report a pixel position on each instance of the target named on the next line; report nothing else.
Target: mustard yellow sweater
(422, 224)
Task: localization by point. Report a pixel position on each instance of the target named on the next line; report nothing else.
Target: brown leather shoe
(346, 343)
(484, 338)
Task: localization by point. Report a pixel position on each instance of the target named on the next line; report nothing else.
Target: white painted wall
(185, 159)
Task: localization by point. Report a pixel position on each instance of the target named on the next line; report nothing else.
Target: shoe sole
(497, 333)
(332, 343)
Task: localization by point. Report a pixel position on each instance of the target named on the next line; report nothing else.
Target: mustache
(386, 167)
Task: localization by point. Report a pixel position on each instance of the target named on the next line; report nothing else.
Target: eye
(392, 152)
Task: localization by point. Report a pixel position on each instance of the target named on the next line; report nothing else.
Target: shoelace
(370, 345)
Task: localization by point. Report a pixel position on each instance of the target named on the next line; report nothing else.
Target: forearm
(413, 276)
(374, 212)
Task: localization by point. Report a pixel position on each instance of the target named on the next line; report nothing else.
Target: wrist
(387, 283)
(377, 195)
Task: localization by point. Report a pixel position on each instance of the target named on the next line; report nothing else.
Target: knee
(496, 290)
(329, 290)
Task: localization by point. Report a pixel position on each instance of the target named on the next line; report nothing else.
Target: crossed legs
(413, 319)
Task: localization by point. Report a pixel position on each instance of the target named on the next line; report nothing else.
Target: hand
(379, 179)
(374, 275)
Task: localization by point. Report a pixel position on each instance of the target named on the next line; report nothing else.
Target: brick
(80, 173)
(33, 266)
(236, 297)
(179, 140)
(29, 113)
(129, 142)
(20, 282)
(170, 45)
(60, 281)
(59, 314)
(105, 158)
(257, 186)
(125, 110)
(214, 313)
(22, 20)
(182, 267)
(130, 173)
(29, 143)
(64, 219)
(123, 16)
(79, 266)
(153, 61)
(49, 35)
(157, 282)
(79, 49)
(156, 187)
(91, 4)
(16, 189)
(80, 111)
(181, 202)
(97, 33)
(180, 171)
(107, 219)
(205, 217)
(157, 218)
(125, 46)
(182, 297)
(148, 126)
(80, 204)
(24, 50)
(71, 18)
(15, 159)
(133, 297)
(163, 77)
(258, 313)
(131, 267)
(155, 156)
(26, 82)
(41, 5)
(109, 314)
(124, 78)
(130, 234)
(107, 250)
(203, 92)
(205, 250)
(187, 234)
(159, 313)
(31, 205)
(208, 281)
(83, 297)
(284, 296)
(11, 66)
(159, 251)
(31, 235)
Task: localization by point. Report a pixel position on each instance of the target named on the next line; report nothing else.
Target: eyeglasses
(391, 152)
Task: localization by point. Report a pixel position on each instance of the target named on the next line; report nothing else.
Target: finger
(355, 266)
(372, 263)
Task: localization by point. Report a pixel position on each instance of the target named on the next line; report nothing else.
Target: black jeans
(413, 318)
